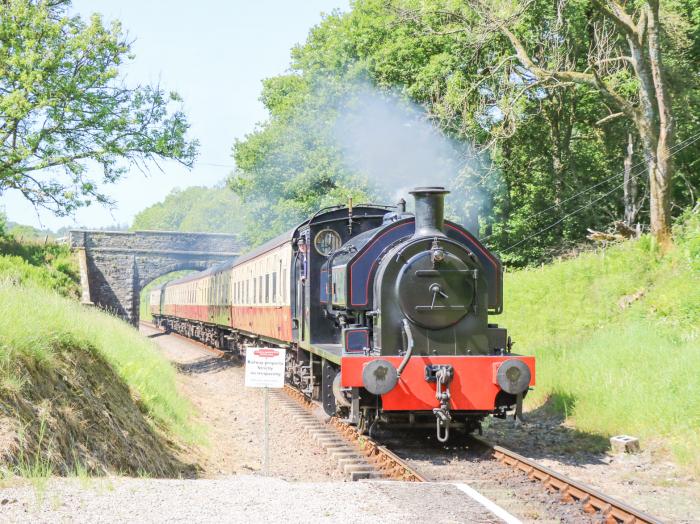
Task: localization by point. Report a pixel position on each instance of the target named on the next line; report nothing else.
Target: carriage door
(300, 280)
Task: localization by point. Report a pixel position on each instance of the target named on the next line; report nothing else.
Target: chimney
(430, 210)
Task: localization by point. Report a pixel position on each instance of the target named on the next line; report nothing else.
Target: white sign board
(264, 367)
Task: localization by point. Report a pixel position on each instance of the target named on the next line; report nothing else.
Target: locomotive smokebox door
(435, 294)
(329, 371)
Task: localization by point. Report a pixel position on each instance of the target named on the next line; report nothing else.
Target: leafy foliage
(64, 109)
(195, 209)
(48, 265)
(546, 143)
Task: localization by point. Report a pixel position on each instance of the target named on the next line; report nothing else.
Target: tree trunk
(560, 128)
(660, 194)
(651, 112)
(661, 170)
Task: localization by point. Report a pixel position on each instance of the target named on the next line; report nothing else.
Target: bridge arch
(115, 265)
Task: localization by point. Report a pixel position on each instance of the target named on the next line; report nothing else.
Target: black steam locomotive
(384, 315)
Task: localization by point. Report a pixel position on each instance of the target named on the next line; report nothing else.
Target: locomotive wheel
(365, 423)
(362, 425)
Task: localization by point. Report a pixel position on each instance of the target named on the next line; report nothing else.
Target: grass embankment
(80, 391)
(617, 338)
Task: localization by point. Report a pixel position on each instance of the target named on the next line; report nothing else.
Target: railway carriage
(384, 315)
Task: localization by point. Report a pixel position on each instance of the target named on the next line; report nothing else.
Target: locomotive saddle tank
(384, 315)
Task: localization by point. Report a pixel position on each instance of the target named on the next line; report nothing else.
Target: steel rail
(592, 500)
(572, 490)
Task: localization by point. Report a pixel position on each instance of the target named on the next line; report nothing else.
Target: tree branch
(618, 16)
(610, 117)
(589, 79)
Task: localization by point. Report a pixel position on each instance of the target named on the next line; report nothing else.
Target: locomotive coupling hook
(442, 419)
(443, 377)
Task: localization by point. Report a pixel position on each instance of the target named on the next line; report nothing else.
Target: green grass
(47, 265)
(36, 323)
(609, 369)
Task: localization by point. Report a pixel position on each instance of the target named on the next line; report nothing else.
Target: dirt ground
(234, 415)
(646, 480)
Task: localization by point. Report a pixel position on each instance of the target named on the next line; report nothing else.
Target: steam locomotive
(384, 316)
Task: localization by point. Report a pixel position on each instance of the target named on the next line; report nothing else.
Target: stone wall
(120, 264)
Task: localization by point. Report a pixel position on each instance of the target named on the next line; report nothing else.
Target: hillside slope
(80, 391)
(617, 337)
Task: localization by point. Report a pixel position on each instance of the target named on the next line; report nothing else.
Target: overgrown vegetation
(44, 264)
(79, 389)
(617, 336)
(104, 393)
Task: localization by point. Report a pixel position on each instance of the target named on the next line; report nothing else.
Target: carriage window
(267, 288)
(274, 286)
(260, 289)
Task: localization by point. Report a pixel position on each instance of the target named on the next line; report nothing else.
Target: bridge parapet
(155, 241)
(118, 264)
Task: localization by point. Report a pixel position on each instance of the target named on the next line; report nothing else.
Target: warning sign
(264, 367)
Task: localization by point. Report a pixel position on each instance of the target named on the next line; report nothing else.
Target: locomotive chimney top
(430, 210)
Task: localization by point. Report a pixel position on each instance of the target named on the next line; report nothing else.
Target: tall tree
(625, 39)
(63, 107)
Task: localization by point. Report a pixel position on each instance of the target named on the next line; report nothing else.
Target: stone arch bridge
(115, 266)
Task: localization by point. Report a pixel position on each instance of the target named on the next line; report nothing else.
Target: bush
(47, 265)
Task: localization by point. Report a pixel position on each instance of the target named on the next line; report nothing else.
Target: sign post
(264, 368)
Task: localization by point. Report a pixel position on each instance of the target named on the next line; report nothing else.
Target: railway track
(394, 467)
(570, 490)
(374, 460)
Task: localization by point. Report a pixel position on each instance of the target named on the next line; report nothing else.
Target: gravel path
(239, 499)
(234, 415)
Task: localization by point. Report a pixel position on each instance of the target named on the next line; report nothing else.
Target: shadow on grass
(156, 335)
(544, 434)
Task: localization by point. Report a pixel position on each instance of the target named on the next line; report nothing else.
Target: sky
(214, 53)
